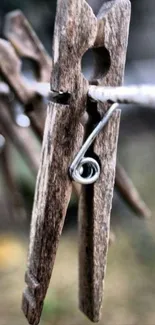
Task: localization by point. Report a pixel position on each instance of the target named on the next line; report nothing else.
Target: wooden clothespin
(76, 30)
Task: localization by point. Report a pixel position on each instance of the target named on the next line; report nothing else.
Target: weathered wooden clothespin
(77, 30)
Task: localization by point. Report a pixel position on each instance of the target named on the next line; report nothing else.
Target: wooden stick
(75, 32)
(94, 229)
(96, 200)
(143, 95)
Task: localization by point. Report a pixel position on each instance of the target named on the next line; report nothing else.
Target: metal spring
(81, 163)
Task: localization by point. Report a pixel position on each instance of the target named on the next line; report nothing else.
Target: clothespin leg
(63, 137)
(96, 201)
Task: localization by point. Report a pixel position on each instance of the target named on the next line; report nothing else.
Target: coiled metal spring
(81, 163)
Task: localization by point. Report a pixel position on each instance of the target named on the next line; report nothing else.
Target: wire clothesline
(143, 95)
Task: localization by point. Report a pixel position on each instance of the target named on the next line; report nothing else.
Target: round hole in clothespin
(102, 63)
(95, 64)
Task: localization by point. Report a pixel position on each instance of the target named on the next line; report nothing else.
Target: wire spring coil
(80, 163)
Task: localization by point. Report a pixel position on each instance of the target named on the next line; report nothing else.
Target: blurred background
(130, 280)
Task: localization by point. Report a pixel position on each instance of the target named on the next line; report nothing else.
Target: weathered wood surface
(94, 224)
(75, 32)
(96, 201)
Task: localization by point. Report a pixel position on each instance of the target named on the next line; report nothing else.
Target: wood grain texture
(94, 224)
(75, 32)
(96, 201)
